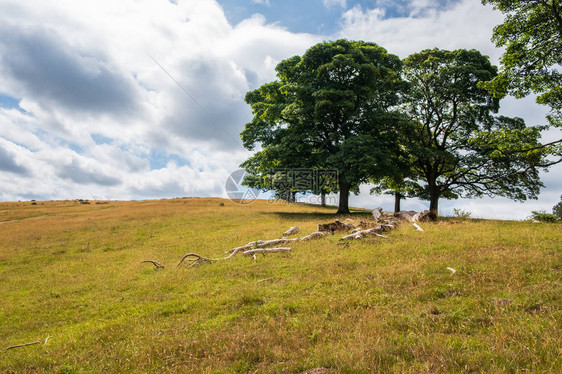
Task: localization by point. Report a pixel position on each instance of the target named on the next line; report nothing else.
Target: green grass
(73, 272)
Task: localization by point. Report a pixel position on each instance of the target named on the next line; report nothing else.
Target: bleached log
(263, 244)
(242, 248)
(292, 231)
(377, 213)
(312, 236)
(253, 252)
(363, 233)
(417, 227)
(272, 242)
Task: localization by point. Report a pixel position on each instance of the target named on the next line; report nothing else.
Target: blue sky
(318, 16)
(310, 16)
(139, 99)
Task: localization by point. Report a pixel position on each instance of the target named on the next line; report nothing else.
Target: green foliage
(331, 109)
(455, 143)
(557, 209)
(532, 36)
(543, 216)
(459, 213)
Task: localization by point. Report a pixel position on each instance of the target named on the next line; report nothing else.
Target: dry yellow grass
(73, 272)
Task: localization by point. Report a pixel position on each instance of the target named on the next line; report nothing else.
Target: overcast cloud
(138, 99)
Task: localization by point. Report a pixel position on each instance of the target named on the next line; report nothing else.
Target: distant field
(72, 271)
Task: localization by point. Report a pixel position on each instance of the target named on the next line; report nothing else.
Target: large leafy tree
(532, 36)
(456, 144)
(328, 109)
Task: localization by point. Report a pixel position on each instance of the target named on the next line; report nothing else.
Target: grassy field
(72, 271)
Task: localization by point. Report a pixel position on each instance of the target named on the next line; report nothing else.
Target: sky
(144, 99)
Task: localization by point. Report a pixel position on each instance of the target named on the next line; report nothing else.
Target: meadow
(72, 271)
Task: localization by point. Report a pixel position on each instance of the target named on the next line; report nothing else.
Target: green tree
(557, 209)
(532, 36)
(330, 109)
(456, 144)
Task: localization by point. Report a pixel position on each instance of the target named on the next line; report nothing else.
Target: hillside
(72, 271)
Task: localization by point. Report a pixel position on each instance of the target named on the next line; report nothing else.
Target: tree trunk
(433, 204)
(397, 198)
(323, 198)
(343, 207)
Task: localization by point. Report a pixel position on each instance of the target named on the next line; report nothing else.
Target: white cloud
(105, 121)
(83, 71)
(262, 2)
(466, 24)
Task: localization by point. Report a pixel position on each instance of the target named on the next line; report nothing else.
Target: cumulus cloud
(9, 159)
(465, 24)
(40, 64)
(99, 118)
(99, 107)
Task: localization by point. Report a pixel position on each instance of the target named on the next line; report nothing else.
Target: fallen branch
(417, 227)
(155, 263)
(292, 231)
(272, 242)
(337, 225)
(263, 251)
(314, 235)
(196, 259)
(21, 345)
(263, 244)
(27, 344)
(364, 233)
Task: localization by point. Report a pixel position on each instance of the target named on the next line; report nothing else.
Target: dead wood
(364, 233)
(263, 244)
(312, 236)
(292, 231)
(155, 263)
(21, 345)
(337, 225)
(195, 258)
(253, 252)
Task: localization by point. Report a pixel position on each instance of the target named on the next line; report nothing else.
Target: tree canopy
(532, 36)
(329, 109)
(455, 142)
